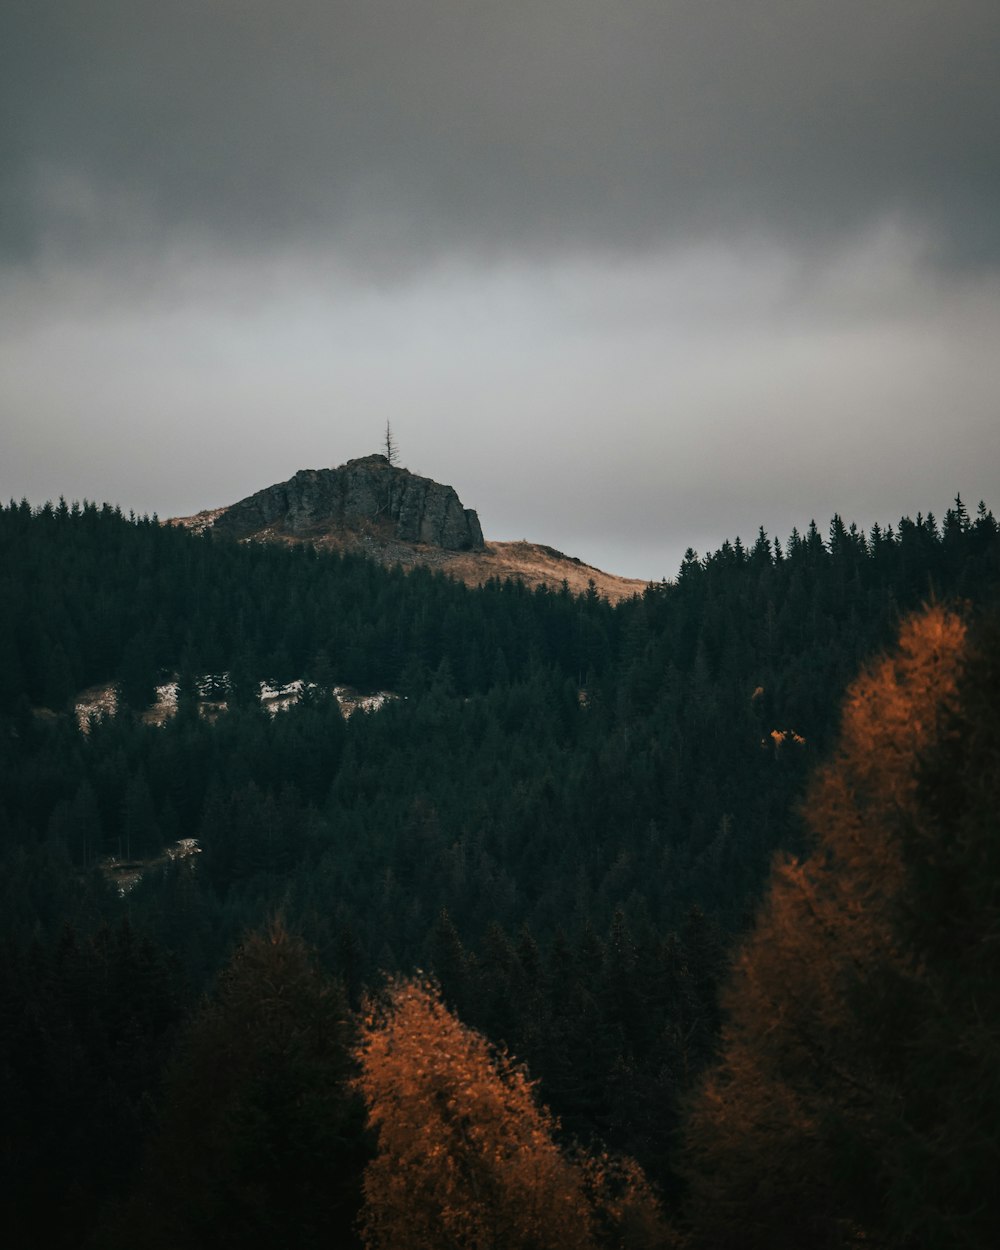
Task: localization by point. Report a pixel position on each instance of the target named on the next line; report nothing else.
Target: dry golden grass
(538, 565)
(532, 563)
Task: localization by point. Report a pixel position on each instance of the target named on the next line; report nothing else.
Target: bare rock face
(360, 493)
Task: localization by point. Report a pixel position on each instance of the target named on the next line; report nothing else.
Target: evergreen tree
(260, 1141)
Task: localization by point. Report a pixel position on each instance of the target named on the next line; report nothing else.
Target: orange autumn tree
(821, 1124)
(466, 1156)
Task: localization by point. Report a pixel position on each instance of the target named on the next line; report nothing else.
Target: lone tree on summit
(391, 450)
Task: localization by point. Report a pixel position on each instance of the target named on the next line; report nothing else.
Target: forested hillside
(567, 819)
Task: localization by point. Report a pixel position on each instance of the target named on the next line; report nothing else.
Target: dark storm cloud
(497, 127)
(630, 275)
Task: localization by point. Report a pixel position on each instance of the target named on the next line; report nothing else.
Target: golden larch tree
(466, 1155)
(790, 1136)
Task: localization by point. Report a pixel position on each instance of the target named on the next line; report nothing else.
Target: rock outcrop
(363, 493)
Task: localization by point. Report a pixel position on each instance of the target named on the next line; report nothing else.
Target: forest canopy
(567, 816)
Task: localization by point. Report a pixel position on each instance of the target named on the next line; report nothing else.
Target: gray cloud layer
(408, 127)
(630, 275)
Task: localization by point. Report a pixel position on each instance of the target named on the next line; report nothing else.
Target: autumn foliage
(856, 1096)
(466, 1156)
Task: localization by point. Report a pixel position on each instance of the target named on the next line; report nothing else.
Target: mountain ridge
(374, 508)
(368, 490)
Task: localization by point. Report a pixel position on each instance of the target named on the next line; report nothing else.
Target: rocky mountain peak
(361, 494)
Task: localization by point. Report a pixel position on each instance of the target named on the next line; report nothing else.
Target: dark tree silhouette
(391, 449)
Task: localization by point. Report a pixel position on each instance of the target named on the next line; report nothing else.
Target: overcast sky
(631, 275)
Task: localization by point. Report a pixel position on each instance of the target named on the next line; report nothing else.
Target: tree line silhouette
(568, 822)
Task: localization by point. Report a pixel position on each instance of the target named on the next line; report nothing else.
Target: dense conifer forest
(553, 849)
